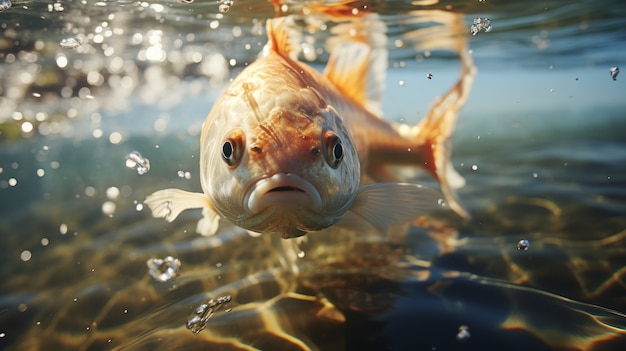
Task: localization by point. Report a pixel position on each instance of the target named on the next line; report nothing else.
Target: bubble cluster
(205, 311)
(614, 71)
(70, 43)
(480, 23)
(523, 245)
(184, 175)
(163, 270)
(134, 160)
(226, 5)
(5, 5)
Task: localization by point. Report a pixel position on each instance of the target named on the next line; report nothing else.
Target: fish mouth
(286, 190)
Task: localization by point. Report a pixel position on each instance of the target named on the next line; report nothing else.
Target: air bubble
(226, 5)
(205, 311)
(112, 193)
(26, 255)
(523, 245)
(108, 208)
(184, 175)
(163, 270)
(614, 72)
(134, 160)
(480, 23)
(70, 43)
(463, 335)
(429, 76)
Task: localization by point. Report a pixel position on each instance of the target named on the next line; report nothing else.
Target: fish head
(278, 162)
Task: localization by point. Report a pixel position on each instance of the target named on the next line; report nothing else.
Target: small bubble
(523, 245)
(429, 76)
(165, 269)
(535, 175)
(185, 1)
(63, 229)
(115, 138)
(463, 335)
(45, 241)
(184, 175)
(401, 83)
(139, 207)
(614, 71)
(301, 254)
(90, 191)
(474, 167)
(26, 255)
(112, 193)
(70, 43)
(2, 335)
(134, 160)
(108, 208)
(474, 29)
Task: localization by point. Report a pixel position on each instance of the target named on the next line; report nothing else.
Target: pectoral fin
(384, 205)
(169, 203)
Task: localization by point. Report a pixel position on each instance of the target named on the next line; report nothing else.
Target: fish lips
(282, 190)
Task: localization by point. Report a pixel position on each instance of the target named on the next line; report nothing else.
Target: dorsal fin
(358, 61)
(283, 38)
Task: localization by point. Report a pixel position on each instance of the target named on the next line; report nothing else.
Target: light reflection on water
(540, 143)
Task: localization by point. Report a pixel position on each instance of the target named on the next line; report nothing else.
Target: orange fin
(283, 38)
(358, 61)
(435, 133)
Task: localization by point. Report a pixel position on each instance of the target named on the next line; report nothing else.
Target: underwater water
(101, 103)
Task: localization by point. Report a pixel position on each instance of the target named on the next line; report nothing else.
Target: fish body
(287, 149)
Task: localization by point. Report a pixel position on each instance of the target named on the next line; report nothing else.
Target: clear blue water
(540, 142)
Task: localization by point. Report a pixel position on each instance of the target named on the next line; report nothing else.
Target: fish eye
(232, 148)
(333, 149)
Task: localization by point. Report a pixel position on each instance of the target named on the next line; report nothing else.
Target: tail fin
(436, 130)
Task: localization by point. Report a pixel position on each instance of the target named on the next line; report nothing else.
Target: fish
(291, 150)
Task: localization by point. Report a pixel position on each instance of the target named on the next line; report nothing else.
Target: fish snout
(286, 190)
